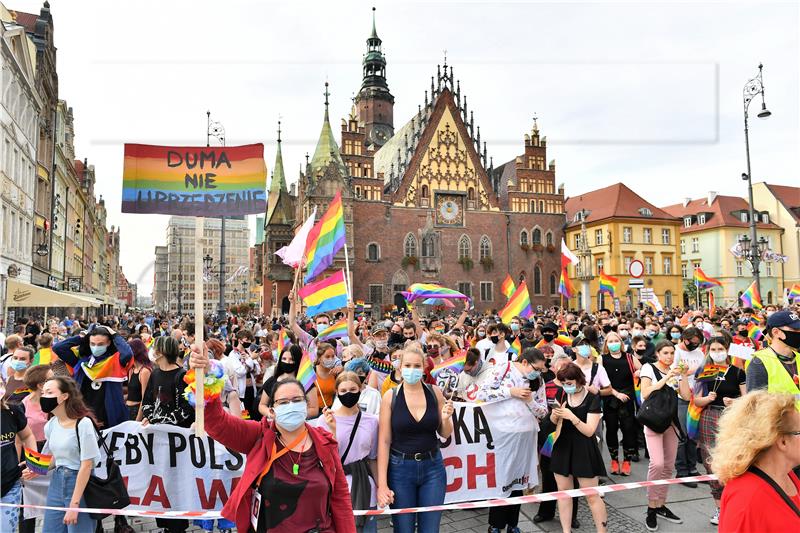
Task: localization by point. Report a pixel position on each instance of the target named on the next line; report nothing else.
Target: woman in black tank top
(410, 468)
(138, 376)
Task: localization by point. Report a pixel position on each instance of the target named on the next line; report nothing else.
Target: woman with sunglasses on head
(293, 479)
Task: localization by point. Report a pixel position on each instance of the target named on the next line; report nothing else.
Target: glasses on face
(793, 433)
(287, 401)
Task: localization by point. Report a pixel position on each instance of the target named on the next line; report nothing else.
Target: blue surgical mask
(321, 328)
(290, 416)
(675, 335)
(18, 365)
(98, 350)
(614, 347)
(533, 374)
(570, 389)
(411, 375)
(650, 333)
(515, 327)
(584, 350)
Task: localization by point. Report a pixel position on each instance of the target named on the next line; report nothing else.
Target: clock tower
(374, 102)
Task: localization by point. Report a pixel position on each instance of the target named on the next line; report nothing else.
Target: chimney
(686, 201)
(712, 195)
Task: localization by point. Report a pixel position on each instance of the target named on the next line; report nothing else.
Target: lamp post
(177, 240)
(753, 88)
(216, 129)
(585, 263)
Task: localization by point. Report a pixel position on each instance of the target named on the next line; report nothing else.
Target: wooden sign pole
(199, 327)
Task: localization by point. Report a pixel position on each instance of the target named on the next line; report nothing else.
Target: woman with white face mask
(714, 395)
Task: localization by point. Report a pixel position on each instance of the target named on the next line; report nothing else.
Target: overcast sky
(647, 93)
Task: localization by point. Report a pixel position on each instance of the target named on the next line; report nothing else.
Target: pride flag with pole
(283, 341)
(751, 297)
(516, 348)
(325, 295)
(455, 363)
(518, 305)
(794, 292)
(608, 284)
(754, 332)
(703, 281)
(38, 463)
(564, 286)
(508, 287)
(305, 372)
(325, 239)
(336, 331)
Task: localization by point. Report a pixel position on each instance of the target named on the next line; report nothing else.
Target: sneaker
(666, 514)
(651, 522)
(513, 530)
(715, 519)
(626, 468)
(494, 529)
(541, 518)
(635, 458)
(614, 466)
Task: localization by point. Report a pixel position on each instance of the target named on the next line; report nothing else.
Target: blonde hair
(354, 351)
(347, 376)
(413, 347)
(749, 427)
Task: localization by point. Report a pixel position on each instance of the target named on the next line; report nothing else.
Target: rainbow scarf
(508, 287)
(38, 463)
(518, 305)
(43, 357)
(693, 420)
(336, 331)
(109, 369)
(547, 447)
(751, 297)
(325, 239)
(305, 372)
(608, 284)
(703, 281)
(455, 363)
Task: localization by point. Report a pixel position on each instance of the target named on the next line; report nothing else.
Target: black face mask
(606, 328)
(641, 352)
(574, 332)
(495, 339)
(349, 399)
(396, 338)
(792, 339)
(245, 345)
(742, 333)
(548, 337)
(48, 403)
(690, 346)
(285, 368)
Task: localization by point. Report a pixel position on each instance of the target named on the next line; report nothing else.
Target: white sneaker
(715, 519)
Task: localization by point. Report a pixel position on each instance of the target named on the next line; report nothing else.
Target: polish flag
(567, 257)
(293, 253)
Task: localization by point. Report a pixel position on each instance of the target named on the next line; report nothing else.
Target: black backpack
(660, 410)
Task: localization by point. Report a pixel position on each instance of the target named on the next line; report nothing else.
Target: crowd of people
(662, 388)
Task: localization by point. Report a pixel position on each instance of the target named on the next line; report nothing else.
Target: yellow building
(622, 227)
(783, 205)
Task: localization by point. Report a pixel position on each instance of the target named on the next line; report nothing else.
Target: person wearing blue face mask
(411, 470)
(674, 333)
(618, 407)
(15, 385)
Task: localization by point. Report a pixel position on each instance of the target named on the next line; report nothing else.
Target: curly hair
(750, 426)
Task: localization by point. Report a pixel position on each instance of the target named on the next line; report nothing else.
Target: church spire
(374, 61)
(327, 150)
(374, 102)
(278, 183)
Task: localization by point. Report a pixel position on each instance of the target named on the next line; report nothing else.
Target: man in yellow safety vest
(775, 368)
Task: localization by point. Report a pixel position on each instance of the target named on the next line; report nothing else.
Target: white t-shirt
(648, 372)
(495, 357)
(483, 345)
(692, 359)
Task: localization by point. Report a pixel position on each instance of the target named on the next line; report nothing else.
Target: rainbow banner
(705, 282)
(751, 297)
(608, 284)
(325, 295)
(381, 365)
(565, 287)
(38, 463)
(516, 348)
(109, 369)
(43, 357)
(754, 332)
(305, 372)
(336, 331)
(547, 447)
(455, 363)
(518, 305)
(194, 181)
(508, 287)
(417, 291)
(693, 420)
(325, 239)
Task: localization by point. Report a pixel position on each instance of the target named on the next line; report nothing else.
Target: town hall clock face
(449, 210)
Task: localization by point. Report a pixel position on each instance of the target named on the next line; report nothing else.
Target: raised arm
(64, 351)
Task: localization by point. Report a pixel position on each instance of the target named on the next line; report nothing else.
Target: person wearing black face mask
(688, 356)
(286, 367)
(549, 333)
(369, 399)
(742, 338)
(776, 368)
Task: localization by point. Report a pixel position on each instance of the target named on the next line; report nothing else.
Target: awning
(21, 294)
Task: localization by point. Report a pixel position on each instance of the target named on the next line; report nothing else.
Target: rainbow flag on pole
(508, 287)
(336, 331)
(283, 341)
(693, 420)
(703, 281)
(325, 239)
(325, 295)
(564, 286)
(38, 463)
(751, 297)
(794, 292)
(518, 305)
(608, 284)
(516, 348)
(455, 363)
(305, 372)
(754, 332)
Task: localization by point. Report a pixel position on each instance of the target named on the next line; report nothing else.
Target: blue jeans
(9, 516)
(59, 494)
(417, 484)
(686, 460)
(370, 526)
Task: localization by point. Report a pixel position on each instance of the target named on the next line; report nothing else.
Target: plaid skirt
(707, 439)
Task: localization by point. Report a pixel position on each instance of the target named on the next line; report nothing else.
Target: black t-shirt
(619, 373)
(12, 421)
(727, 387)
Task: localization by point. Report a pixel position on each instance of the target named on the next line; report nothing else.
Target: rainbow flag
(516, 348)
(38, 463)
(693, 420)
(455, 363)
(710, 372)
(518, 305)
(794, 292)
(184, 180)
(637, 390)
(359, 306)
(508, 287)
(283, 340)
(336, 331)
(547, 447)
(44, 356)
(109, 369)
(565, 287)
(563, 340)
(325, 295)
(325, 239)
(754, 332)
(751, 297)
(305, 372)
(705, 282)
(608, 284)
(418, 291)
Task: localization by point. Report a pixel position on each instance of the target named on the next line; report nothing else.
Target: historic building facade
(424, 202)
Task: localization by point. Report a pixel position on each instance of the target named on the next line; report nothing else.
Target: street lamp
(753, 88)
(216, 129)
(585, 263)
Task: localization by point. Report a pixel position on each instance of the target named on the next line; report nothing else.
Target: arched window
(373, 252)
(548, 238)
(410, 246)
(537, 236)
(464, 247)
(553, 284)
(424, 191)
(769, 297)
(537, 280)
(523, 237)
(485, 247)
(427, 246)
(668, 299)
(533, 206)
(541, 206)
(470, 194)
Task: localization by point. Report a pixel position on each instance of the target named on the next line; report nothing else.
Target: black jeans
(548, 509)
(505, 516)
(172, 525)
(620, 416)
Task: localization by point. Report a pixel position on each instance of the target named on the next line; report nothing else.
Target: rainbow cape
(518, 305)
(109, 369)
(508, 287)
(693, 420)
(705, 282)
(44, 356)
(325, 239)
(547, 447)
(754, 332)
(565, 287)
(455, 363)
(751, 297)
(325, 295)
(336, 331)
(212, 384)
(283, 340)
(608, 284)
(38, 463)
(305, 372)
(418, 291)
(516, 348)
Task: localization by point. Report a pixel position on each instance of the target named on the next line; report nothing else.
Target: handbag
(108, 493)
(660, 408)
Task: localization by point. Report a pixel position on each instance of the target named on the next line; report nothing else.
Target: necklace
(295, 462)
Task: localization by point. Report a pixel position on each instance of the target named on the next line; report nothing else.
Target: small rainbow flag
(565, 287)
(325, 239)
(109, 369)
(283, 341)
(305, 372)
(751, 297)
(518, 305)
(710, 372)
(754, 332)
(336, 331)
(38, 463)
(608, 284)
(44, 356)
(359, 306)
(563, 340)
(705, 282)
(325, 295)
(794, 292)
(547, 447)
(508, 287)
(540, 344)
(693, 420)
(455, 363)
(516, 348)
(418, 291)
